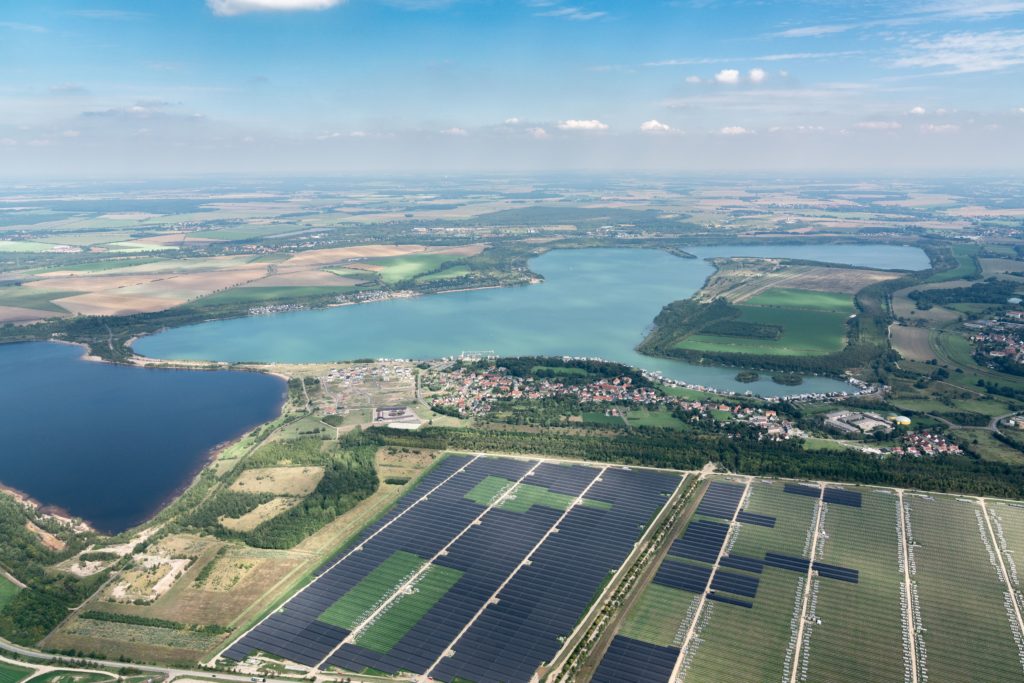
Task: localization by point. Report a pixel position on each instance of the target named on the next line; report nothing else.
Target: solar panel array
(690, 577)
(800, 564)
(634, 661)
(541, 603)
(842, 497)
(701, 541)
(720, 500)
(754, 518)
(545, 600)
(802, 490)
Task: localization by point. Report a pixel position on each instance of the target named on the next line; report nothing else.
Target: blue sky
(173, 86)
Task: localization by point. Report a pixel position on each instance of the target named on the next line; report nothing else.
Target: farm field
(10, 673)
(71, 677)
(782, 297)
(803, 332)
(7, 591)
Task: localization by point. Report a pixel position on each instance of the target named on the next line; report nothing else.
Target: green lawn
(805, 332)
(644, 417)
(597, 418)
(525, 496)
(12, 674)
(406, 610)
(71, 677)
(7, 592)
(260, 295)
(356, 605)
(25, 246)
(399, 268)
(656, 617)
(783, 297)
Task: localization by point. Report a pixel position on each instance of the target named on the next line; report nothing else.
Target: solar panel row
(545, 600)
(747, 564)
(690, 577)
(738, 584)
(487, 554)
(296, 632)
(634, 661)
(802, 490)
(754, 518)
(718, 597)
(701, 541)
(720, 500)
(843, 497)
(831, 571)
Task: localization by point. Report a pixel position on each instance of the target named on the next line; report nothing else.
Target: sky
(170, 87)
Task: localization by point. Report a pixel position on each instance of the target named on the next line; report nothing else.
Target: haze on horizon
(134, 88)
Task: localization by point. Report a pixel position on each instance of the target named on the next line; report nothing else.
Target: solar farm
(776, 581)
(480, 573)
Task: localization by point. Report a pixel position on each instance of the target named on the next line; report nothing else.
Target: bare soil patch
(911, 342)
(281, 481)
(259, 515)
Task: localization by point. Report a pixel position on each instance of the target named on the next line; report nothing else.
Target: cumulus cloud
(918, 111)
(735, 130)
(582, 124)
(878, 125)
(693, 79)
(655, 126)
(458, 132)
(230, 8)
(728, 76)
(512, 121)
(757, 75)
(537, 133)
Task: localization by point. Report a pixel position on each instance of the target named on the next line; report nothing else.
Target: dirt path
(795, 664)
(692, 630)
(908, 588)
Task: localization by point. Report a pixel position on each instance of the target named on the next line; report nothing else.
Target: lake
(593, 302)
(113, 444)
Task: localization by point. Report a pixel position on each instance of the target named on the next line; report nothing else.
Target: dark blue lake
(112, 444)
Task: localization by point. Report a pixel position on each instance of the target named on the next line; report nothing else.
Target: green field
(244, 232)
(399, 268)
(967, 264)
(109, 264)
(446, 274)
(7, 592)
(657, 615)
(38, 299)
(644, 417)
(10, 673)
(25, 246)
(355, 606)
(596, 418)
(804, 332)
(406, 610)
(782, 297)
(262, 295)
(525, 496)
(966, 629)
(71, 677)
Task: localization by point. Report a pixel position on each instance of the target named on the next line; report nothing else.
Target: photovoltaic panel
(753, 518)
(802, 490)
(690, 577)
(701, 541)
(721, 500)
(729, 601)
(796, 564)
(842, 497)
(634, 661)
(745, 563)
(831, 571)
(731, 582)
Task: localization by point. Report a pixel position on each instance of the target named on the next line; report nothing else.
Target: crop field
(803, 332)
(912, 342)
(399, 268)
(781, 297)
(9, 673)
(446, 570)
(645, 417)
(71, 677)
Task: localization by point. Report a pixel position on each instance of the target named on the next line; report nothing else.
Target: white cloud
(1020, 110)
(878, 125)
(757, 75)
(918, 111)
(582, 124)
(966, 52)
(655, 126)
(728, 76)
(735, 130)
(71, 133)
(537, 133)
(693, 79)
(512, 121)
(815, 31)
(939, 128)
(572, 13)
(230, 8)
(459, 132)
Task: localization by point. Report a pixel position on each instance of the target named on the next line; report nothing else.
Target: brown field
(911, 342)
(995, 266)
(326, 257)
(281, 481)
(983, 212)
(138, 643)
(741, 279)
(14, 314)
(174, 238)
(304, 278)
(45, 537)
(260, 514)
(904, 307)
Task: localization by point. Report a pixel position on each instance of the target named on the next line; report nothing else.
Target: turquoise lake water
(593, 302)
